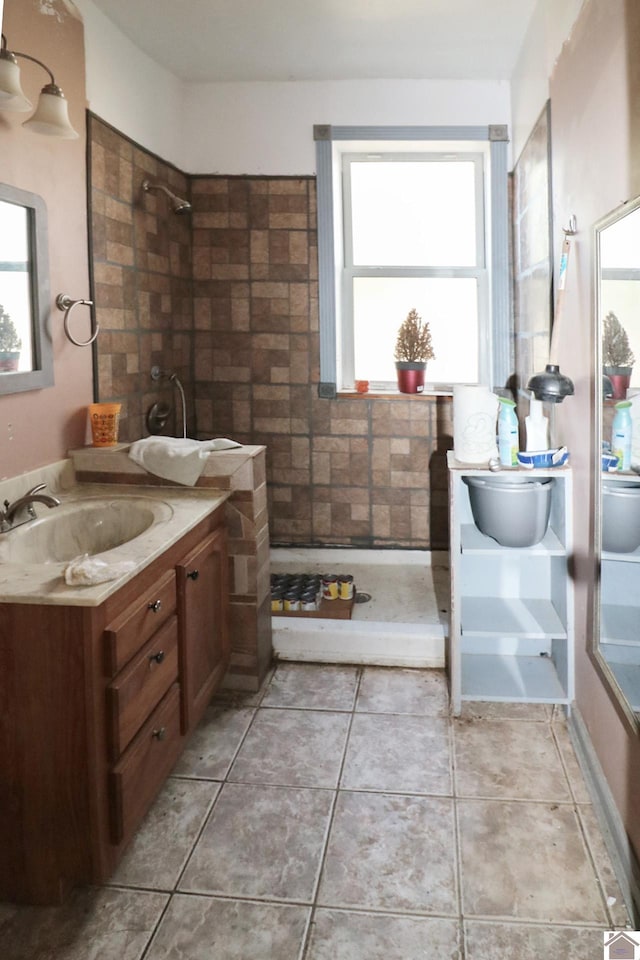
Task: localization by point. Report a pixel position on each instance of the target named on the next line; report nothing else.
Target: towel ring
(66, 304)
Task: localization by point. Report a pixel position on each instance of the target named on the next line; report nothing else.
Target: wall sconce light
(52, 113)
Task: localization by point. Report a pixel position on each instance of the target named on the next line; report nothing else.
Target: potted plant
(413, 349)
(617, 356)
(10, 343)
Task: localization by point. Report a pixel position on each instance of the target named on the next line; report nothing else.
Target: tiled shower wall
(141, 262)
(357, 471)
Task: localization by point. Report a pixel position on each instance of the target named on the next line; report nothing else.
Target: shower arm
(178, 205)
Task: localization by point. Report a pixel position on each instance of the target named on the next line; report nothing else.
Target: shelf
(619, 624)
(472, 541)
(511, 635)
(497, 616)
(508, 678)
(633, 557)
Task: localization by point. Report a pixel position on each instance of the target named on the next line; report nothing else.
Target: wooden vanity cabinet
(95, 706)
(203, 584)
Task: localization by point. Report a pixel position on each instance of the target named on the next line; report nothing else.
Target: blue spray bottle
(508, 435)
(621, 435)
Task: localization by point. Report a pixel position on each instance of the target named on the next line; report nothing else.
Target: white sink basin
(83, 526)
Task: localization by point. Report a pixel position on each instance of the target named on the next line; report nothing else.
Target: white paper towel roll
(475, 411)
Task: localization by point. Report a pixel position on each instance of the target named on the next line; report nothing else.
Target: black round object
(551, 386)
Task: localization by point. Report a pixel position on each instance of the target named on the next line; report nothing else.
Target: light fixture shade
(52, 115)
(12, 98)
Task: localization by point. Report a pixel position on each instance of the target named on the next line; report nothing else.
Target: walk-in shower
(178, 205)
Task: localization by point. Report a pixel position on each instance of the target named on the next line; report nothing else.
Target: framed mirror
(26, 361)
(616, 643)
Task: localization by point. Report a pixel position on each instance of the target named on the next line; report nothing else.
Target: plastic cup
(104, 419)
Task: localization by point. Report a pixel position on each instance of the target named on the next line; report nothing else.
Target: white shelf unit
(620, 619)
(511, 636)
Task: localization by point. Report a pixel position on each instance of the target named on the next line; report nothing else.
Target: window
(407, 224)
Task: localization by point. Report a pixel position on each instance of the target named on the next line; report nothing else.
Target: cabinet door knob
(158, 657)
(155, 605)
(159, 734)
(193, 574)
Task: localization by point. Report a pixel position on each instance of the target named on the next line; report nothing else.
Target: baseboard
(359, 641)
(622, 855)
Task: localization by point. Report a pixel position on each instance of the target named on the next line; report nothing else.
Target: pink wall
(593, 92)
(40, 426)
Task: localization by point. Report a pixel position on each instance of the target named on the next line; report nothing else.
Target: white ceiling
(209, 40)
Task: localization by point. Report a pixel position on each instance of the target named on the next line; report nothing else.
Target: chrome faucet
(21, 510)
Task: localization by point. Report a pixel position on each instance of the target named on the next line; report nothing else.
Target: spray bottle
(508, 438)
(621, 435)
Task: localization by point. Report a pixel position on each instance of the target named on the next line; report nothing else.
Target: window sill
(390, 395)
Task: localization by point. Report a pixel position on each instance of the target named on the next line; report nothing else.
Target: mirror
(26, 361)
(617, 528)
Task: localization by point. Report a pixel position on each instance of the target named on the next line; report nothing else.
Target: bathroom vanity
(100, 686)
(511, 631)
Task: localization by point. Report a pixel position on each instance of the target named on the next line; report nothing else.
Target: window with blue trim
(407, 220)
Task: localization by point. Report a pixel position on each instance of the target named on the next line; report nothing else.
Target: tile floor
(340, 814)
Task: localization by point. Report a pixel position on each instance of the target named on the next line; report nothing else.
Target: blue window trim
(497, 137)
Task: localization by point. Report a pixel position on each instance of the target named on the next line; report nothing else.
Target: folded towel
(85, 570)
(176, 459)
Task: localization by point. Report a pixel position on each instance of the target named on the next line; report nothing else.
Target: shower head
(178, 205)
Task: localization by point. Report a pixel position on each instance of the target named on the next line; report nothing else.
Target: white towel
(174, 458)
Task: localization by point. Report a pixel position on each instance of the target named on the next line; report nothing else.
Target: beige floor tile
(522, 941)
(480, 710)
(303, 685)
(293, 747)
(93, 924)
(210, 751)
(391, 852)
(610, 886)
(166, 837)
(340, 935)
(400, 754)
(527, 861)
(240, 698)
(263, 842)
(508, 759)
(203, 928)
(391, 690)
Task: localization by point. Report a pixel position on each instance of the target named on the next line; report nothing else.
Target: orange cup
(104, 419)
(362, 386)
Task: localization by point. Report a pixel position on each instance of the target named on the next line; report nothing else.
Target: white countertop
(43, 583)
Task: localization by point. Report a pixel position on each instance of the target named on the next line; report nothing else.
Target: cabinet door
(203, 598)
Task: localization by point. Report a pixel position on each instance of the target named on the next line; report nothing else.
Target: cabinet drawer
(125, 635)
(137, 777)
(141, 685)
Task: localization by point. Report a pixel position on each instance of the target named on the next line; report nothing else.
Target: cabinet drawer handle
(193, 574)
(158, 657)
(155, 605)
(159, 734)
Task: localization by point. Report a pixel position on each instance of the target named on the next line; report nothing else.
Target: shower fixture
(158, 374)
(178, 205)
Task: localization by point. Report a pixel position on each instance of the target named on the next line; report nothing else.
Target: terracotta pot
(620, 378)
(410, 376)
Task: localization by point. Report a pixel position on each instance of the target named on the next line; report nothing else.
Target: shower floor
(404, 623)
